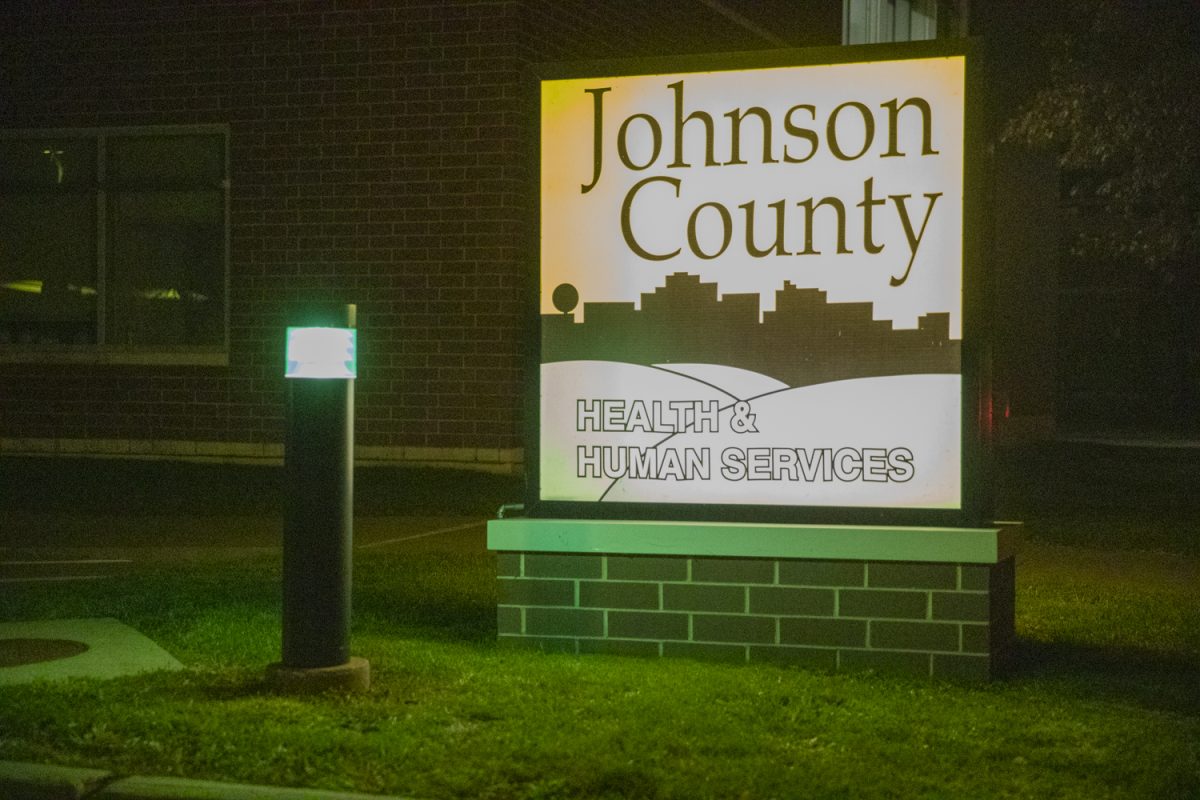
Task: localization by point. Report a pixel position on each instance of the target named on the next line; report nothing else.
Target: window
(114, 241)
(874, 21)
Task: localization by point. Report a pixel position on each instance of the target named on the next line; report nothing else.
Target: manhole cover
(17, 652)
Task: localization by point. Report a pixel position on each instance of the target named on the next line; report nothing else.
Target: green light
(321, 353)
(29, 286)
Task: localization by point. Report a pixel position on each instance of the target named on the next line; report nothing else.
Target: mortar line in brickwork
(929, 605)
(958, 578)
(520, 565)
(603, 568)
(691, 627)
(689, 570)
(775, 578)
(661, 607)
(866, 574)
(867, 642)
(960, 637)
(576, 582)
(605, 627)
(921, 650)
(837, 602)
(523, 631)
(745, 599)
(778, 625)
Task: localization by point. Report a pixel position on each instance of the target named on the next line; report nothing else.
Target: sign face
(752, 286)
(322, 353)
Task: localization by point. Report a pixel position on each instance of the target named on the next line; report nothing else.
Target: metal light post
(319, 510)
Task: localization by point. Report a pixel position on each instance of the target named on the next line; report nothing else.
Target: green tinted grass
(1104, 701)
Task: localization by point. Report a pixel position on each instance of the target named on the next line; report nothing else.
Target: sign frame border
(976, 506)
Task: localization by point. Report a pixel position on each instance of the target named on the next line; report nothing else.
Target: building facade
(177, 175)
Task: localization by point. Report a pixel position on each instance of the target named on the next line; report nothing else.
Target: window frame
(103, 352)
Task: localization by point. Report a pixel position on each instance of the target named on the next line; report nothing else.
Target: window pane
(48, 268)
(871, 21)
(49, 164)
(196, 160)
(857, 21)
(160, 278)
(904, 14)
(166, 268)
(924, 19)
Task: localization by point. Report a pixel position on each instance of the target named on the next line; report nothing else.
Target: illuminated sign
(321, 353)
(751, 285)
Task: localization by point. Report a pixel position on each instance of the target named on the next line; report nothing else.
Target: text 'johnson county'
(849, 134)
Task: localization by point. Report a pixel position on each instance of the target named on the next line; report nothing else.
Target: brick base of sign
(943, 620)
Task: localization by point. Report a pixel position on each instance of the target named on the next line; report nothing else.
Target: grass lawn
(1104, 700)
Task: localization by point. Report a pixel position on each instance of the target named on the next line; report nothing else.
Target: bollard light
(322, 353)
(321, 363)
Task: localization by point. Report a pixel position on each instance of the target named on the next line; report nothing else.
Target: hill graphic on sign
(806, 340)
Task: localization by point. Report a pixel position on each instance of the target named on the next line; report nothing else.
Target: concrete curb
(22, 781)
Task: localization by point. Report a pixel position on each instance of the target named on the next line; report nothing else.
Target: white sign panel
(751, 286)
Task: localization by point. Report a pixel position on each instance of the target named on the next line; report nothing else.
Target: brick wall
(369, 145)
(942, 620)
(378, 156)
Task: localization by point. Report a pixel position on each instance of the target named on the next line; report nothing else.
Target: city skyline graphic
(805, 340)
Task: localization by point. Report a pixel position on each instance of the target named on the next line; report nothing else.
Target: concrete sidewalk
(22, 781)
(110, 649)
